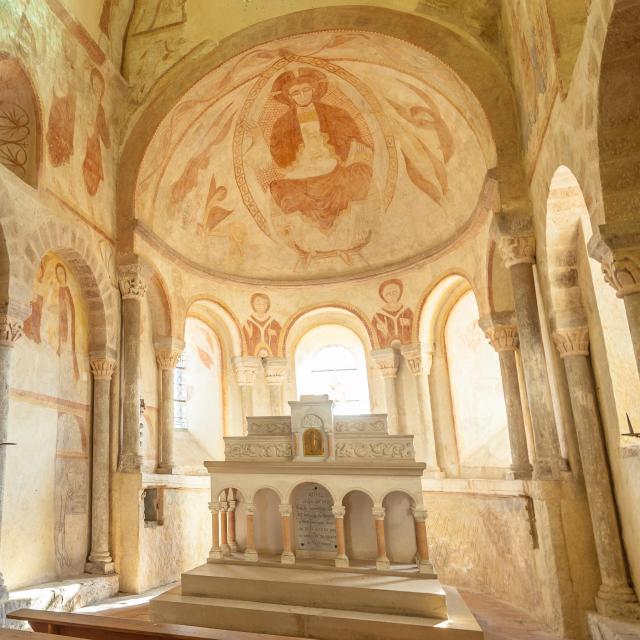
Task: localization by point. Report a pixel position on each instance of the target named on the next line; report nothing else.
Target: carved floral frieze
(391, 448)
(361, 426)
(257, 450)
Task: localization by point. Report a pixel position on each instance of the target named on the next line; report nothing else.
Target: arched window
(476, 389)
(330, 359)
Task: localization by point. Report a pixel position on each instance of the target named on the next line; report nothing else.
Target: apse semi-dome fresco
(325, 155)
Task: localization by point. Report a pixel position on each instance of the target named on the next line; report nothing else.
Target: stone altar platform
(296, 503)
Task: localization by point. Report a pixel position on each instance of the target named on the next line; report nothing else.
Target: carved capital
(338, 511)
(502, 337)
(417, 360)
(167, 358)
(102, 367)
(10, 330)
(131, 282)
(224, 505)
(378, 513)
(387, 361)
(419, 515)
(285, 510)
(275, 370)
(250, 508)
(245, 368)
(214, 506)
(517, 249)
(573, 341)
(617, 248)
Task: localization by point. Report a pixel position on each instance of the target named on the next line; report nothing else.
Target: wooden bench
(13, 634)
(96, 627)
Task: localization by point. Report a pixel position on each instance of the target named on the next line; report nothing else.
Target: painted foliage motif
(316, 155)
(393, 322)
(261, 332)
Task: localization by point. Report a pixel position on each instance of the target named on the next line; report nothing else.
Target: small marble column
(503, 337)
(231, 522)
(275, 373)
(167, 356)
(216, 552)
(419, 364)
(518, 253)
(287, 557)
(10, 333)
(133, 288)
(382, 562)
(420, 524)
(250, 552)
(224, 542)
(388, 360)
(617, 247)
(615, 597)
(100, 560)
(245, 368)
(338, 513)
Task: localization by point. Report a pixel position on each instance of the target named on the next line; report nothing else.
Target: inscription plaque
(315, 523)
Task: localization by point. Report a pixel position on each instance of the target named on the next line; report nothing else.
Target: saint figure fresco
(261, 332)
(325, 158)
(393, 322)
(92, 165)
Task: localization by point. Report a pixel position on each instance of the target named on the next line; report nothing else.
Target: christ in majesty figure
(320, 148)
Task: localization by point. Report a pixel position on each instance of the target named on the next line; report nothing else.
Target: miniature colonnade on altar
(319, 486)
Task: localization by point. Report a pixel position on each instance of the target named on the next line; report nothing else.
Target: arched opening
(359, 527)
(476, 390)
(314, 522)
(19, 122)
(331, 359)
(399, 528)
(232, 521)
(268, 524)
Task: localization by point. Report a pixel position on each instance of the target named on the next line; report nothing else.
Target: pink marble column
(287, 557)
(422, 546)
(341, 558)
(216, 552)
(250, 552)
(382, 561)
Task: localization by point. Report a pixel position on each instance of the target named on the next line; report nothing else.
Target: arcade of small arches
(425, 213)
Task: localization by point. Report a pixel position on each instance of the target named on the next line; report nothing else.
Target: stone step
(326, 588)
(310, 622)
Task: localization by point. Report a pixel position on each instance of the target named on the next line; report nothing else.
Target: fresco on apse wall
(56, 346)
(18, 122)
(534, 60)
(261, 332)
(476, 390)
(393, 322)
(71, 79)
(317, 155)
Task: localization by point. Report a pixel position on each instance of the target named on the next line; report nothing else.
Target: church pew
(96, 627)
(13, 634)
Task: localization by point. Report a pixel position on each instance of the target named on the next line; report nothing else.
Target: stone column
(287, 557)
(231, 522)
(100, 561)
(503, 337)
(419, 363)
(224, 542)
(250, 552)
(382, 562)
(275, 372)
(245, 368)
(10, 333)
(615, 597)
(338, 513)
(133, 288)
(420, 523)
(388, 361)
(617, 247)
(167, 358)
(216, 552)
(518, 253)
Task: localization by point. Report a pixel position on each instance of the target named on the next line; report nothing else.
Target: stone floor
(498, 620)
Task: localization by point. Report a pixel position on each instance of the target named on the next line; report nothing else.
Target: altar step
(408, 595)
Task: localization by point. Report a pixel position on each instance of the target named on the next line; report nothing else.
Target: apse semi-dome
(320, 156)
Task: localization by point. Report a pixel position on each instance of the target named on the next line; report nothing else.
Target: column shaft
(632, 307)
(224, 542)
(231, 526)
(422, 547)
(215, 553)
(341, 558)
(287, 557)
(250, 552)
(166, 462)
(382, 561)
(392, 405)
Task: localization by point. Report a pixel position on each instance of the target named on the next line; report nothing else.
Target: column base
(215, 555)
(251, 555)
(130, 463)
(168, 469)
(519, 473)
(383, 564)
(342, 561)
(100, 567)
(542, 470)
(433, 473)
(602, 627)
(425, 566)
(618, 602)
(226, 550)
(288, 558)
(233, 547)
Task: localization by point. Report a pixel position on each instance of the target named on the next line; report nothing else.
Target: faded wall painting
(318, 155)
(19, 126)
(393, 322)
(476, 390)
(261, 331)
